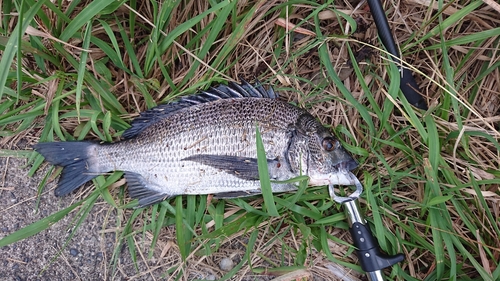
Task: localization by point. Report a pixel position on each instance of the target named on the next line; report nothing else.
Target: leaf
(265, 183)
(83, 17)
(11, 47)
(438, 200)
(38, 226)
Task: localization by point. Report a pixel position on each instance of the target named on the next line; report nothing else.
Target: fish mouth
(340, 176)
(346, 166)
(343, 176)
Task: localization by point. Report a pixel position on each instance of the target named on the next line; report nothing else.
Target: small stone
(226, 264)
(210, 277)
(73, 252)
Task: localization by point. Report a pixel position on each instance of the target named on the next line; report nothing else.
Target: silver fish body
(206, 144)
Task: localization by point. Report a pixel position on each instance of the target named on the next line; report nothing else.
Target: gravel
(226, 264)
(45, 256)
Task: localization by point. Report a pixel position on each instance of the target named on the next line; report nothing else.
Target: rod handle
(368, 252)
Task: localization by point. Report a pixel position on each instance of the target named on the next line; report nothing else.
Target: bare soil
(45, 255)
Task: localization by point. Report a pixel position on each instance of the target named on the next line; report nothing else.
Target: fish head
(314, 151)
(329, 162)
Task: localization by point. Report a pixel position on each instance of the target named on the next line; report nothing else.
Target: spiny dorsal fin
(232, 90)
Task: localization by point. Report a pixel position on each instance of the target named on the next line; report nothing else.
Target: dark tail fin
(75, 157)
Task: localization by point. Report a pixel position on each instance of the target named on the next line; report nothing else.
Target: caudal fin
(76, 159)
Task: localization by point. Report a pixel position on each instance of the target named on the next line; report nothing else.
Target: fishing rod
(408, 85)
(371, 259)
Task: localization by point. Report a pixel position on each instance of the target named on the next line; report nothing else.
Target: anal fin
(138, 188)
(237, 194)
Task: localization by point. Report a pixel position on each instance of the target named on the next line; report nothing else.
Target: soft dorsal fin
(232, 90)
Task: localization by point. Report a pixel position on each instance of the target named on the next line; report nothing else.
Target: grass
(84, 70)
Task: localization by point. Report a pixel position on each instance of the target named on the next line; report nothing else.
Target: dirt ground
(44, 256)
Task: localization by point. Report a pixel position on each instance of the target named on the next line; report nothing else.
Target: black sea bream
(206, 144)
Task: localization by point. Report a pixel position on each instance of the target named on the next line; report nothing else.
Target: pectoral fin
(242, 167)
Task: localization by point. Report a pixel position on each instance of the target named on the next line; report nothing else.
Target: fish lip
(340, 175)
(345, 166)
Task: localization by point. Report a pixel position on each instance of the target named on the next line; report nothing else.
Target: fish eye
(329, 144)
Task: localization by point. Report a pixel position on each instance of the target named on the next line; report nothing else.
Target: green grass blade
(236, 34)
(171, 36)
(471, 38)
(244, 260)
(83, 17)
(37, 226)
(157, 226)
(216, 26)
(19, 70)
(11, 48)
(449, 21)
(332, 74)
(265, 183)
(137, 69)
(82, 66)
(182, 234)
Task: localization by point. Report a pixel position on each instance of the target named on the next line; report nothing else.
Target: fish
(205, 143)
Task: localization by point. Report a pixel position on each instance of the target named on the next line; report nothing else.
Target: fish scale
(225, 138)
(206, 144)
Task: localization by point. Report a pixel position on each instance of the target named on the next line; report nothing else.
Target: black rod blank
(408, 85)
